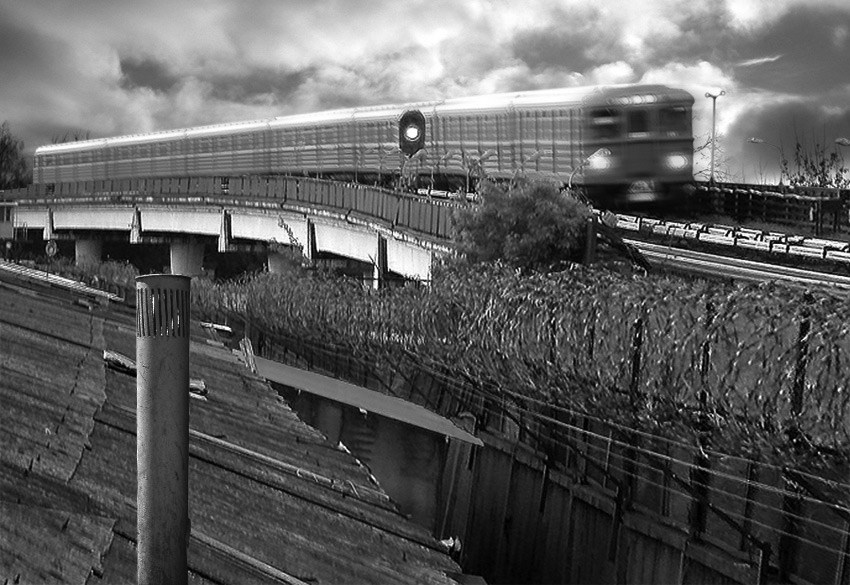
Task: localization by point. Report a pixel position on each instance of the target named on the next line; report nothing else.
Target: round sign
(51, 248)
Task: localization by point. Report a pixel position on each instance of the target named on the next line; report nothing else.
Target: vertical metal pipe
(162, 427)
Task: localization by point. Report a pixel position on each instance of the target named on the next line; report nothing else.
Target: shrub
(525, 224)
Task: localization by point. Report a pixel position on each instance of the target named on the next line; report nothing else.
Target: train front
(638, 144)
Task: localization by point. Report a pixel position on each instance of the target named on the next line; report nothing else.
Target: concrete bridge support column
(87, 251)
(379, 267)
(187, 258)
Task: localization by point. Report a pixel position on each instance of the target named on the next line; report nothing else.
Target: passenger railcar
(631, 142)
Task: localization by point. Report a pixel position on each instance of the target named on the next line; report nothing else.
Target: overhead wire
(496, 407)
(688, 464)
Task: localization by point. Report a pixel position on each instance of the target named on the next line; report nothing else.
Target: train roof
(546, 98)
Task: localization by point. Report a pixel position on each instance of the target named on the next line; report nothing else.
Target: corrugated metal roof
(270, 499)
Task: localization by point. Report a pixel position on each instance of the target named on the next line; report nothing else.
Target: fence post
(700, 472)
(791, 502)
(800, 365)
(629, 463)
(590, 241)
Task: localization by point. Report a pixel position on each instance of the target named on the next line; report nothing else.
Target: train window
(638, 123)
(605, 123)
(675, 121)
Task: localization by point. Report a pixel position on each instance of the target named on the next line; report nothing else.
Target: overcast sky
(111, 67)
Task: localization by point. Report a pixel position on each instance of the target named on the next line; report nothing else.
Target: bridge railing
(424, 215)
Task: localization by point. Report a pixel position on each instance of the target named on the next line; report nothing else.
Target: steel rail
(737, 268)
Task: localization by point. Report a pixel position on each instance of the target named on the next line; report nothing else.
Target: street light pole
(713, 97)
(755, 140)
(599, 152)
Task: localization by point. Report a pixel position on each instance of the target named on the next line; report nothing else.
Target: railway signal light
(411, 132)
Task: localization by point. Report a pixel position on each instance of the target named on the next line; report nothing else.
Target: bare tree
(72, 136)
(814, 166)
(14, 170)
(722, 162)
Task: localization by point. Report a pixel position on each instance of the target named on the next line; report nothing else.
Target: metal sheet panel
(382, 404)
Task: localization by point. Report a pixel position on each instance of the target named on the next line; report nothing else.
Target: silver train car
(622, 143)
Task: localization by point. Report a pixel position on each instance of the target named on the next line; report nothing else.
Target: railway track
(736, 239)
(46, 279)
(736, 268)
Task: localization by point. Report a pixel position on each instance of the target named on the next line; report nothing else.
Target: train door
(639, 162)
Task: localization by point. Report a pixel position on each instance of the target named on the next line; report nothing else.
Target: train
(620, 144)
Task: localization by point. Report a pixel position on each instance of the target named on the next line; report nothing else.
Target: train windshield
(605, 123)
(675, 121)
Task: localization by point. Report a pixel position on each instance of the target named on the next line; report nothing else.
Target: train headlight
(600, 162)
(677, 161)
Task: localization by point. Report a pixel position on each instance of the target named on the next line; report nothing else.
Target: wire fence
(822, 210)
(722, 408)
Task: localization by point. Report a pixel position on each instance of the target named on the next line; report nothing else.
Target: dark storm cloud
(146, 73)
(258, 85)
(813, 50)
(785, 124)
(32, 79)
(704, 35)
(577, 47)
(23, 50)
(805, 51)
(782, 126)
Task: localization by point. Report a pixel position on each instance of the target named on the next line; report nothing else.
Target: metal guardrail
(741, 238)
(33, 275)
(430, 216)
(737, 268)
